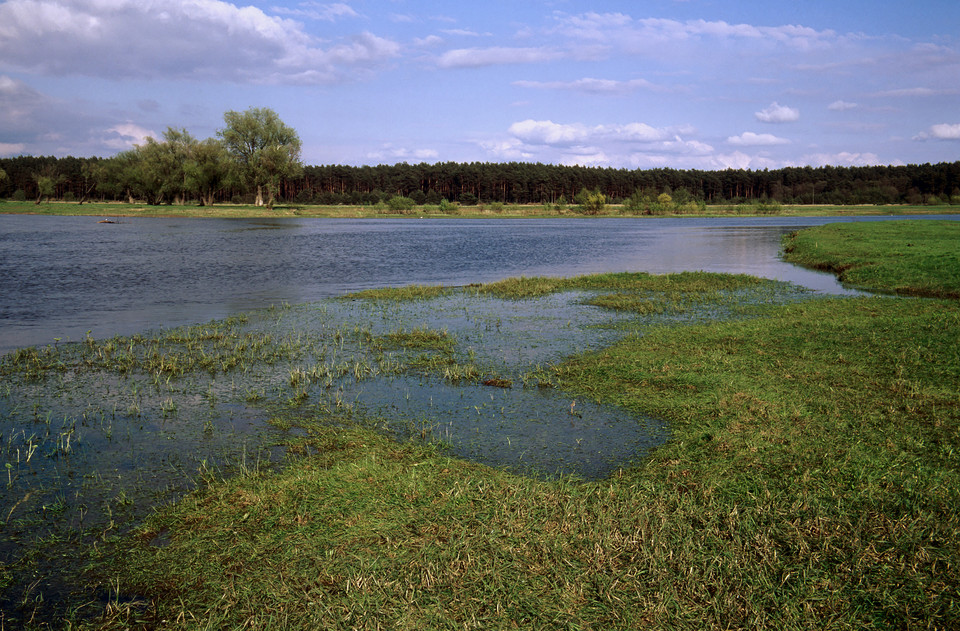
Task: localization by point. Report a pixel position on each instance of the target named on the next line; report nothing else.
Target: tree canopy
(255, 158)
(265, 150)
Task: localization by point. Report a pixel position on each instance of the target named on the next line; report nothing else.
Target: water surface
(63, 276)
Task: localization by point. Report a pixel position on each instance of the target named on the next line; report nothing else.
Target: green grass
(920, 258)
(681, 282)
(811, 482)
(408, 292)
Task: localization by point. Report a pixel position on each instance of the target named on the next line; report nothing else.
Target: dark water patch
(531, 431)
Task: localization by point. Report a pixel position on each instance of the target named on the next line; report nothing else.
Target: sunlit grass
(810, 483)
(905, 257)
(810, 479)
(407, 292)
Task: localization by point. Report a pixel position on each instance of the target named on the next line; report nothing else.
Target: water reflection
(63, 276)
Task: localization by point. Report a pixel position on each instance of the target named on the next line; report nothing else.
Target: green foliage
(638, 202)
(46, 185)
(591, 202)
(264, 149)
(400, 204)
(520, 183)
(447, 206)
(468, 199)
(19, 195)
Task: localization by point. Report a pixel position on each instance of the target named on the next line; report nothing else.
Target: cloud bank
(201, 40)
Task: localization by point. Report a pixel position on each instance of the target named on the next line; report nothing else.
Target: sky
(686, 84)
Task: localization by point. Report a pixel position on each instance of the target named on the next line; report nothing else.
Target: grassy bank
(811, 482)
(919, 258)
(107, 210)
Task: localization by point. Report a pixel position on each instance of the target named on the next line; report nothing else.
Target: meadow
(808, 481)
(892, 256)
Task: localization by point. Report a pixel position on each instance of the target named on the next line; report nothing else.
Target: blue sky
(707, 84)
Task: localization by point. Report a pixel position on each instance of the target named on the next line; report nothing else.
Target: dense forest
(102, 179)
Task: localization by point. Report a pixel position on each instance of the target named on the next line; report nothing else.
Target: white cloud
(546, 132)
(841, 106)
(593, 86)
(750, 139)
(208, 40)
(777, 113)
(945, 131)
(549, 133)
(843, 158)
(495, 56)
(509, 149)
(390, 153)
(126, 135)
(740, 160)
(576, 143)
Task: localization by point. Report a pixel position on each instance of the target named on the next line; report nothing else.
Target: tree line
(255, 158)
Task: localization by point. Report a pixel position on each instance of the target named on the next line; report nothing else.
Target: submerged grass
(919, 258)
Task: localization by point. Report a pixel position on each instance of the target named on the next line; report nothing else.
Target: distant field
(114, 209)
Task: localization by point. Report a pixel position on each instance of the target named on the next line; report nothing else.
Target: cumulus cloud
(495, 56)
(943, 131)
(576, 143)
(777, 113)
(126, 135)
(546, 132)
(208, 40)
(843, 158)
(550, 133)
(750, 139)
(841, 106)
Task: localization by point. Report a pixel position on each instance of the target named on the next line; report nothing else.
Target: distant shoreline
(536, 211)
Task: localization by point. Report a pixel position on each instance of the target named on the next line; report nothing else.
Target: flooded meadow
(95, 434)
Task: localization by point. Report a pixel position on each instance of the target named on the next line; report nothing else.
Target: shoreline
(537, 211)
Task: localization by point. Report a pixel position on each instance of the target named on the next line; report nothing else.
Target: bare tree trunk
(259, 195)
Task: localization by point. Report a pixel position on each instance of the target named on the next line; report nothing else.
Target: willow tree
(264, 149)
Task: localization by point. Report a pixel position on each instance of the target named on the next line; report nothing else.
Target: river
(61, 277)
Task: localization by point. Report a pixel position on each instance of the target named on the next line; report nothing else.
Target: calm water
(63, 276)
